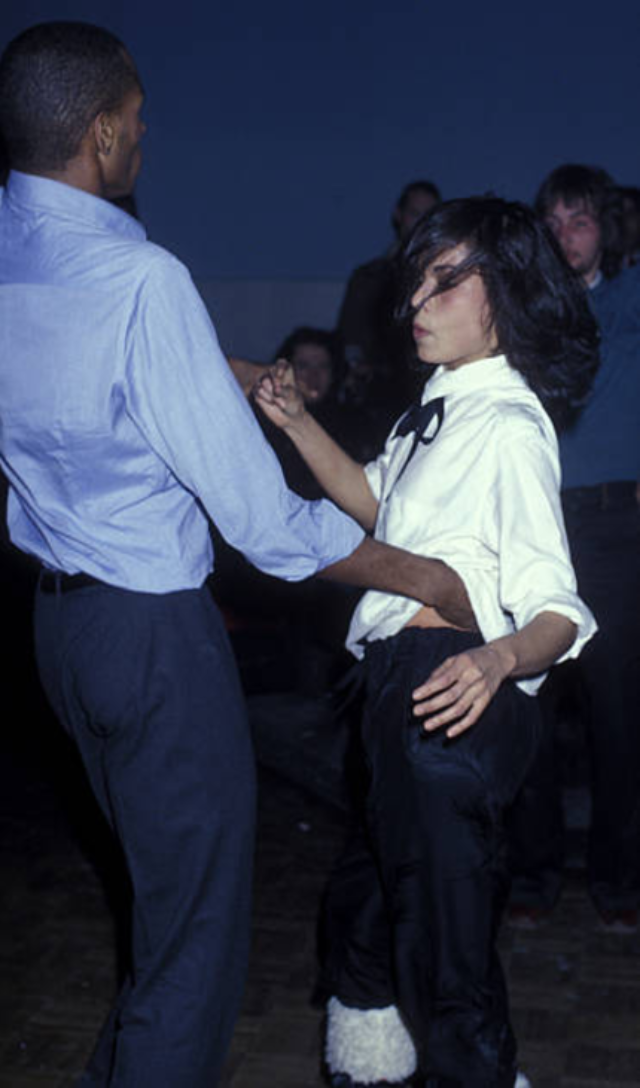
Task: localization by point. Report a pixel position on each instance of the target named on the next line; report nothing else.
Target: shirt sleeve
(536, 574)
(186, 401)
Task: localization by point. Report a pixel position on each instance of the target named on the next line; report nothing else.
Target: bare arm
(373, 565)
(342, 478)
(460, 689)
(393, 570)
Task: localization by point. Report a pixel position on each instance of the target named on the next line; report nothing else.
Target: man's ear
(104, 133)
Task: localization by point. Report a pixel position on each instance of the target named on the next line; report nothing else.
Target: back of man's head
(55, 78)
(592, 188)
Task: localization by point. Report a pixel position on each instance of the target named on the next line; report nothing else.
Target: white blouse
(483, 497)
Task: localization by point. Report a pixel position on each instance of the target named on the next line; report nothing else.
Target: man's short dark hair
(594, 188)
(538, 304)
(55, 78)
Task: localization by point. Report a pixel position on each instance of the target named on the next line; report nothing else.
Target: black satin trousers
(412, 908)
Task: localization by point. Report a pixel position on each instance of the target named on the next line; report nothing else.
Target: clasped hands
(278, 394)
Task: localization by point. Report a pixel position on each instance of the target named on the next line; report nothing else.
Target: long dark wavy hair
(538, 305)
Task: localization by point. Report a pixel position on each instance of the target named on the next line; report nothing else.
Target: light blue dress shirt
(122, 428)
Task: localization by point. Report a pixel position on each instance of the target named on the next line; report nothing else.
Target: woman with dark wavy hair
(542, 321)
(470, 476)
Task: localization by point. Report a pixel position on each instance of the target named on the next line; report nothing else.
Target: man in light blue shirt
(122, 431)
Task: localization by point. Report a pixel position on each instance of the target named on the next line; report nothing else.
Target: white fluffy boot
(368, 1044)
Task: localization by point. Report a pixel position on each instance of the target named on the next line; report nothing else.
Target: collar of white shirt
(493, 372)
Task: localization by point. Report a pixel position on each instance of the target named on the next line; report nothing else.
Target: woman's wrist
(506, 655)
(297, 426)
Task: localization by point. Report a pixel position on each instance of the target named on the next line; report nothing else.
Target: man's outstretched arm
(375, 565)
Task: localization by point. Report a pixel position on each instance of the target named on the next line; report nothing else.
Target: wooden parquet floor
(575, 991)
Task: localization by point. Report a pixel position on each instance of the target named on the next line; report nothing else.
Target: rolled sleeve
(536, 574)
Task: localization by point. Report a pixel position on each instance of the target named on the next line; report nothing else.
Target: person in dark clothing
(600, 459)
(379, 350)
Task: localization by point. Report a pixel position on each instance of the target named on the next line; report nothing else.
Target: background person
(378, 349)
(630, 195)
(272, 623)
(600, 459)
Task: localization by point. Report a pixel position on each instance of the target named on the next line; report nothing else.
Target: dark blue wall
(281, 131)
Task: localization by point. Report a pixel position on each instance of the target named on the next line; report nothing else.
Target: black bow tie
(416, 420)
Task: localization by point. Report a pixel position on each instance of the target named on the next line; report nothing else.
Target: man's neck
(81, 172)
(78, 174)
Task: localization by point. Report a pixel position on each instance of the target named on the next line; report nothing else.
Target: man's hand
(459, 690)
(455, 607)
(392, 570)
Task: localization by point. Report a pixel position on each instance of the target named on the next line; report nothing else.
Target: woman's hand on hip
(460, 689)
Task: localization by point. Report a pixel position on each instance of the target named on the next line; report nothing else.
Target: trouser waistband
(57, 581)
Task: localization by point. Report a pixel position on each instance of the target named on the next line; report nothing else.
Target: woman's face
(313, 369)
(454, 327)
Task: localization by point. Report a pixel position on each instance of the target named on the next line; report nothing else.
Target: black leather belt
(607, 496)
(56, 581)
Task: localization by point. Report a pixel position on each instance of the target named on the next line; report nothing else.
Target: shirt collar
(487, 373)
(65, 201)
